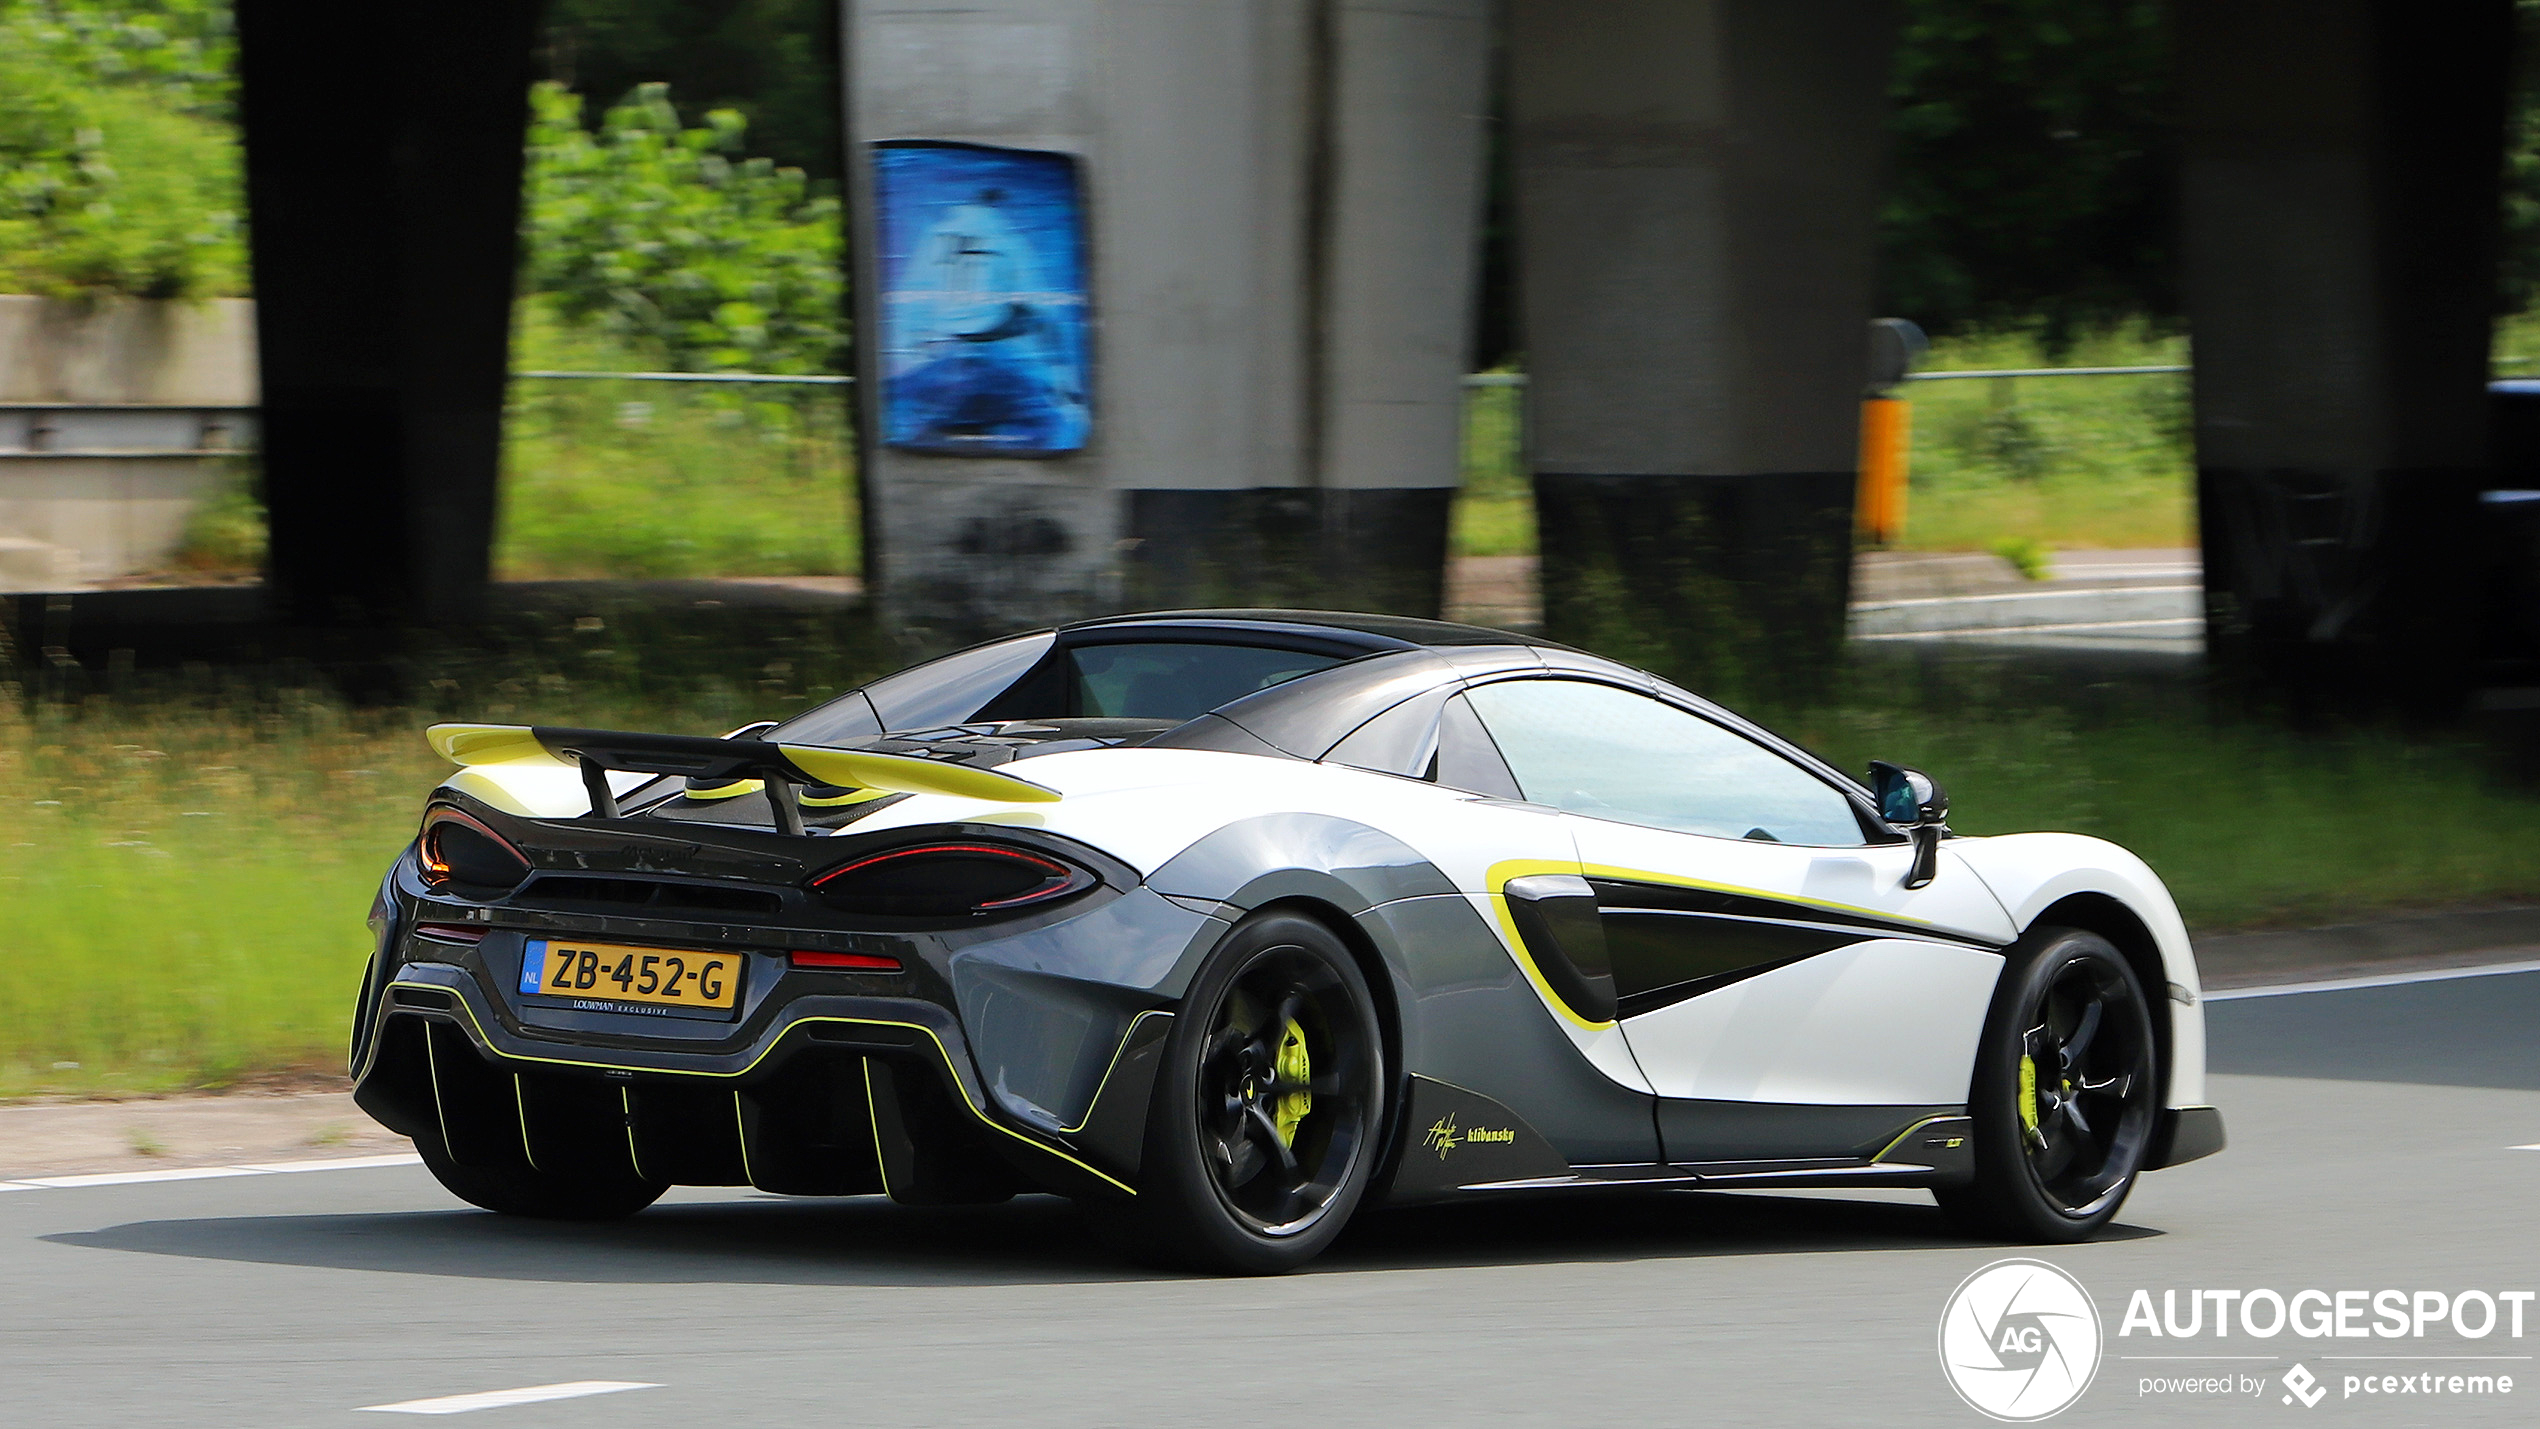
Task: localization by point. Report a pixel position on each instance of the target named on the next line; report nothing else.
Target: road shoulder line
(208, 1173)
(2349, 984)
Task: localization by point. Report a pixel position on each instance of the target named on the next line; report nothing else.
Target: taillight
(452, 932)
(948, 880)
(460, 852)
(843, 962)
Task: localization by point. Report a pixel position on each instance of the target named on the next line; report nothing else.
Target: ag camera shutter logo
(2019, 1340)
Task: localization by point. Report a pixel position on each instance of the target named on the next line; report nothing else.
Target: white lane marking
(208, 1173)
(335, 1163)
(135, 1178)
(2533, 1147)
(500, 1398)
(2345, 984)
(2009, 596)
(2181, 623)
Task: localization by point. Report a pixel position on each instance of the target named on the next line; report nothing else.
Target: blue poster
(984, 341)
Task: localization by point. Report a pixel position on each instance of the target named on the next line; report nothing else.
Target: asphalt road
(2371, 1134)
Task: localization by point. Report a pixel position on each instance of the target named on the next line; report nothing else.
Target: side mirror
(1913, 801)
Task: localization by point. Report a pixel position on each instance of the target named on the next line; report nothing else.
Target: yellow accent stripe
(733, 790)
(432, 1067)
(486, 789)
(1497, 878)
(739, 787)
(520, 1100)
(941, 1050)
(740, 1132)
(1116, 1054)
(873, 1117)
(489, 744)
(852, 796)
(626, 1104)
(1902, 1136)
(906, 774)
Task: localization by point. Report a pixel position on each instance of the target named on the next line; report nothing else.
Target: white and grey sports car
(1227, 923)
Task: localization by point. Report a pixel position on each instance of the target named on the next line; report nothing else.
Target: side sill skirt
(1938, 1151)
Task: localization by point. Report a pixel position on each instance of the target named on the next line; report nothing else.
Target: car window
(1171, 680)
(1597, 750)
(1402, 740)
(942, 691)
(1466, 757)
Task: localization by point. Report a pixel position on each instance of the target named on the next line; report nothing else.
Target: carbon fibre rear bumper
(835, 1095)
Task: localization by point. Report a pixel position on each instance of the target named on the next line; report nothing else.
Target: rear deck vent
(633, 893)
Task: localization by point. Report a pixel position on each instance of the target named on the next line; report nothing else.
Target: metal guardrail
(2044, 372)
(56, 431)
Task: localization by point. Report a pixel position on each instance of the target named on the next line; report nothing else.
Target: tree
(774, 61)
(119, 168)
(652, 233)
(2035, 165)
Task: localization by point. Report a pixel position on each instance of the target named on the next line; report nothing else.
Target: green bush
(2031, 557)
(119, 163)
(226, 534)
(650, 233)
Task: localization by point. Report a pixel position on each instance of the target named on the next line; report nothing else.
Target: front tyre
(1262, 1135)
(520, 1191)
(2064, 1096)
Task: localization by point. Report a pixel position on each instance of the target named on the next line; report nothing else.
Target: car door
(1783, 991)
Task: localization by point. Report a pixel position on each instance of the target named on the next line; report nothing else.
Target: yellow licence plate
(616, 972)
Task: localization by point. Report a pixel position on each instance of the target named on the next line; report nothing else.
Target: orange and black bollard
(1886, 433)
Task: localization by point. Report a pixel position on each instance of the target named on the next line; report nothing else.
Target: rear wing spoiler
(781, 766)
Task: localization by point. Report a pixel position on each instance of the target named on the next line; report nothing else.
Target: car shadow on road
(1033, 1240)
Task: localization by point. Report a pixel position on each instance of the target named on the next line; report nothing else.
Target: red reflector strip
(452, 932)
(845, 962)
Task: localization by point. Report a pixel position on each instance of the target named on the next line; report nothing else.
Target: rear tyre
(1262, 1135)
(2064, 1096)
(520, 1191)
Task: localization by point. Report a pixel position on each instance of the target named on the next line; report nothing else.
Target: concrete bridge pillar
(383, 190)
(2340, 199)
(1696, 187)
(1280, 200)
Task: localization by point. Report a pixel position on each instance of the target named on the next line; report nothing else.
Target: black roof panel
(1409, 629)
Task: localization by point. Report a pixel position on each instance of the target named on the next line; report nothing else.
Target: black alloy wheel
(1262, 1136)
(2065, 1094)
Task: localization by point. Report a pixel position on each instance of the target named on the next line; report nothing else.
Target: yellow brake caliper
(1296, 1069)
(2028, 1100)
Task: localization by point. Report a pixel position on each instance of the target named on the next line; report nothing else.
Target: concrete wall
(125, 350)
(101, 406)
(1283, 200)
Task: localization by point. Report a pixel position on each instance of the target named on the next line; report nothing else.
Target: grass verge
(2061, 462)
(184, 873)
